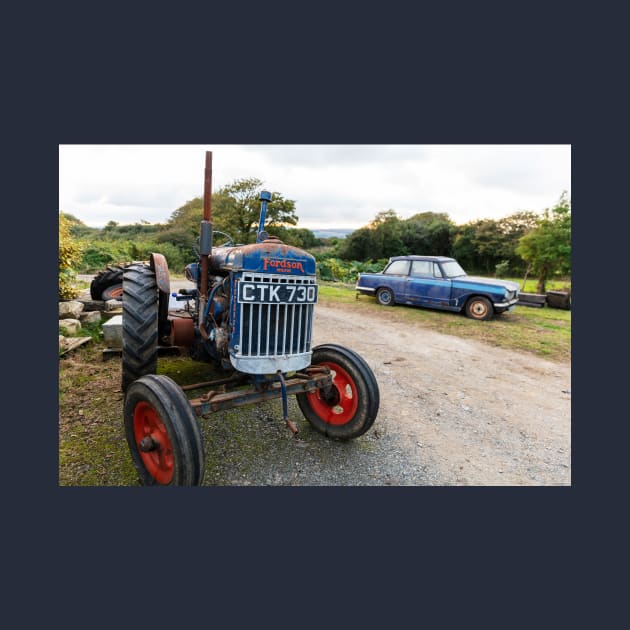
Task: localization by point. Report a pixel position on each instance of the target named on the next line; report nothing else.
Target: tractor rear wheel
(163, 433)
(105, 279)
(139, 323)
(348, 408)
(113, 293)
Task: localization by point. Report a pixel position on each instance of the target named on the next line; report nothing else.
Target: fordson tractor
(251, 316)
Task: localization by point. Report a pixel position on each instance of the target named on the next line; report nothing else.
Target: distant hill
(339, 233)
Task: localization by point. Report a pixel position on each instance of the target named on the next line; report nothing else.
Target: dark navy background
(306, 557)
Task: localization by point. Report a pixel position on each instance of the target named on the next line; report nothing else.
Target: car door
(395, 278)
(426, 286)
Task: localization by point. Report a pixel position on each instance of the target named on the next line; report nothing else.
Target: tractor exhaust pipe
(205, 242)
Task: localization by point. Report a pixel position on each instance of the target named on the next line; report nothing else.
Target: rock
(70, 326)
(112, 332)
(113, 305)
(70, 310)
(91, 317)
(92, 305)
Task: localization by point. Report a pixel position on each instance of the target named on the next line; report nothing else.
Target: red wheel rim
(340, 408)
(147, 424)
(116, 293)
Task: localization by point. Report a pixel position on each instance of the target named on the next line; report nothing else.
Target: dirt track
(463, 412)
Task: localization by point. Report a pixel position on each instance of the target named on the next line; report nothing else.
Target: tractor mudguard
(160, 268)
(163, 280)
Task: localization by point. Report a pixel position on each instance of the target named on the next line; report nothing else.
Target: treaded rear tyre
(163, 433)
(350, 407)
(105, 279)
(139, 323)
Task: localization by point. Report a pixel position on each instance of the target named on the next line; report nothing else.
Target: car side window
(437, 272)
(421, 268)
(398, 268)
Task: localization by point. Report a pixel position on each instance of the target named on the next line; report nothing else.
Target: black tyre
(479, 307)
(105, 279)
(348, 408)
(163, 434)
(139, 323)
(113, 293)
(385, 297)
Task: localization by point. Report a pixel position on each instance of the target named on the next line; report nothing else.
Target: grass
(531, 284)
(93, 449)
(545, 332)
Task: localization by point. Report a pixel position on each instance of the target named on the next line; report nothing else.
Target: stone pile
(74, 314)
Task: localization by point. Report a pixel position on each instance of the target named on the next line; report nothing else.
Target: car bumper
(364, 289)
(505, 305)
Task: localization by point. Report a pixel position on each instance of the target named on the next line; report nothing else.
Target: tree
(357, 246)
(237, 209)
(429, 233)
(547, 248)
(380, 239)
(69, 258)
(511, 229)
(387, 238)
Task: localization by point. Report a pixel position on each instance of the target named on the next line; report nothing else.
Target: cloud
(335, 185)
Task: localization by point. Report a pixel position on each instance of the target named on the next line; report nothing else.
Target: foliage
(337, 270)
(547, 248)
(481, 245)
(69, 258)
(388, 235)
(101, 253)
(237, 209)
(501, 270)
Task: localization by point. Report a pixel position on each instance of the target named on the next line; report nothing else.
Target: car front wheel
(479, 308)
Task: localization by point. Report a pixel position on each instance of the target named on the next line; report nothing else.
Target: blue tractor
(251, 315)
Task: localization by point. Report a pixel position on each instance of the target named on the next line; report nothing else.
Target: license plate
(267, 293)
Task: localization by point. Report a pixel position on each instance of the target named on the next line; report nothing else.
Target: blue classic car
(438, 282)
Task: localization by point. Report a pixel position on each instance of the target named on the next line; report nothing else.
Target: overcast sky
(333, 186)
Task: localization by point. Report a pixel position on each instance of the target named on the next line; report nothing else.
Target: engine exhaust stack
(205, 240)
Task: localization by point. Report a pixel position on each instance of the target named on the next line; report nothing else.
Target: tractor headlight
(192, 272)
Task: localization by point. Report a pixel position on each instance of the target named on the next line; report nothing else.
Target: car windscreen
(452, 269)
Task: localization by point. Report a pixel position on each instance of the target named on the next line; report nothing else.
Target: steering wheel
(229, 240)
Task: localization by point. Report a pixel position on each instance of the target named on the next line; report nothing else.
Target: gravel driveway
(453, 412)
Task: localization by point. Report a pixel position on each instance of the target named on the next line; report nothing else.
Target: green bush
(502, 269)
(69, 259)
(97, 255)
(336, 270)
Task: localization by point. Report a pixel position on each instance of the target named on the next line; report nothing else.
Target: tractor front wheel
(348, 408)
(163, 433)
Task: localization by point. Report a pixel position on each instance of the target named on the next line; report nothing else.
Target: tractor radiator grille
(275, 330)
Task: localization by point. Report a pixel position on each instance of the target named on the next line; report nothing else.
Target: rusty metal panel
(162, 277)
(299, 383)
